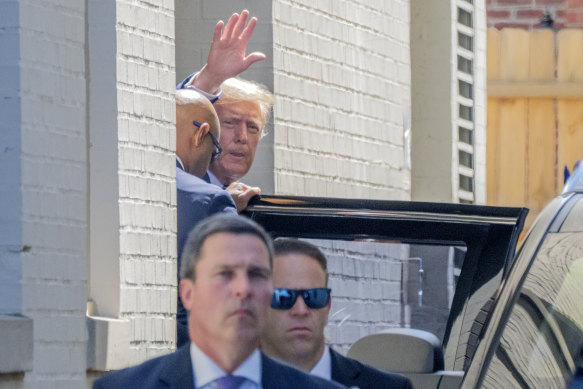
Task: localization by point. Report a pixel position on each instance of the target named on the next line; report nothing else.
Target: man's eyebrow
(260, 268)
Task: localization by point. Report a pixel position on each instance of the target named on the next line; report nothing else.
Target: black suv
(454, 304)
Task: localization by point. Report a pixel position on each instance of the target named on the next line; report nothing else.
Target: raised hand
(227, 55)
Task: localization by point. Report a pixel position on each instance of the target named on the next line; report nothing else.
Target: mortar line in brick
(54, 221)
(135, 31)
(321, 153)
(147, 176)
(335, 17)
(336, 131)
(56, 130)
(339, 65)
(304, 78)
(136, 88)
(53, 159)
(148, 259)
(336, 179)
(331, 109)
(335, 157)
(140, 230)
(58, 102)
(330, 40)
(140, 202)
(147, 147)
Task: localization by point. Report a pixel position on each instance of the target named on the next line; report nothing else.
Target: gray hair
(215, 224)
(237, 89)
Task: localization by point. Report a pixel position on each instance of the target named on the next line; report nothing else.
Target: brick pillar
(43, 211)
(132, 165)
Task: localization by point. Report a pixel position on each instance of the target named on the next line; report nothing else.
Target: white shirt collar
(214, 180)
(206, 370)
(323, 368)
(180, 162)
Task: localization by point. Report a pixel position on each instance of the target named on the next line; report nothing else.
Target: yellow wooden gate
(535, 114)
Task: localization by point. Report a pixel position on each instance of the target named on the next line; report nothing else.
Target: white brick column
(448, 101)
(43, 197)
(133, 191)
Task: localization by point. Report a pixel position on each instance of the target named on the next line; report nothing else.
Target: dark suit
(350, 372)
(182, 85)
(175, 371)
(195, 200)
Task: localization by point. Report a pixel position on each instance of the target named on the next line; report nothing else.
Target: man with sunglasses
(225, 282)
(300, 305)
(197, 145)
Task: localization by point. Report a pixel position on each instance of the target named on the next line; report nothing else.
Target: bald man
(197, 145)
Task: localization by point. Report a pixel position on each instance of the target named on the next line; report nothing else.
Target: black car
(451, 301)
(535, 335)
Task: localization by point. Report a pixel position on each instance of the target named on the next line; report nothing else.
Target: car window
(380, 284)
(545, 327)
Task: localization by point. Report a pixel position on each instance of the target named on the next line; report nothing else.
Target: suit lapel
(268, 378)
(343, 370)
(178, 362)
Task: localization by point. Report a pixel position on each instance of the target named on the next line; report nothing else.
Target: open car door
(404, 264)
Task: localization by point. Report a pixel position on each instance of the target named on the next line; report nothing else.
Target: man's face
(229, 298)
(241, 127)
(297, 333)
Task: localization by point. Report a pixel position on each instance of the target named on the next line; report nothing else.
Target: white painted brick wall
(147, 198)
(10, 169)
(147, 191)
(341, 77)
(366, 284)
(480, 100)
(44, 143)
(53, 175)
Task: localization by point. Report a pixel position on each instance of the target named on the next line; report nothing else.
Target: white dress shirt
(206, 371)
(180, 162)
(323, 368)
(214, 180)
(210, 96)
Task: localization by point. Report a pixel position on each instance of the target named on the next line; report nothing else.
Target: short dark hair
(284, 246)
(215, 224)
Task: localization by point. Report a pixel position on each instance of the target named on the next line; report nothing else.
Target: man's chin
(227, 173)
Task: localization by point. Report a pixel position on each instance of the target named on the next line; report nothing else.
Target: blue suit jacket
(182, 84)
(350, 372)
(195, 200)
(174, 371)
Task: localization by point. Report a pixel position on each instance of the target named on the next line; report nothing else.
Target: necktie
(229, 382)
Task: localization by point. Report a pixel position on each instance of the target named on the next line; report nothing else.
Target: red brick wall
(527, 14)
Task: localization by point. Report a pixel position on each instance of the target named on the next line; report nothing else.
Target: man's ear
(200, 133)
(185, 290)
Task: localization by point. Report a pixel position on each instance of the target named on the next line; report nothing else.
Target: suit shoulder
(193, 190)
(144, 375)
(281, 376)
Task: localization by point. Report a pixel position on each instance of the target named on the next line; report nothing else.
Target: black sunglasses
(314, 298)
(218, 149)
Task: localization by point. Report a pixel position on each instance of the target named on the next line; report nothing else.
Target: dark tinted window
(545, 328)
(465, 41)
(378, 284)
